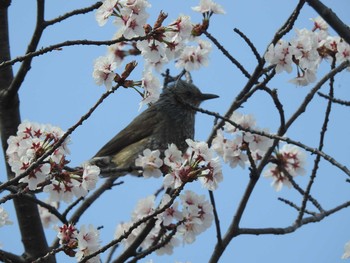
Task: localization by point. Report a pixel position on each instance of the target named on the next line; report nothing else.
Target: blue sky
(59, 89)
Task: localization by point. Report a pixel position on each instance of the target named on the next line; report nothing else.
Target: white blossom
(209, 6)
(103, 73)
(4, 217)
(150, 163)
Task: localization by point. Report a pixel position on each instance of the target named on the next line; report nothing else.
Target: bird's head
(187, 93)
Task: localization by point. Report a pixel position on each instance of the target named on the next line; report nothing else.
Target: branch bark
(32, 233)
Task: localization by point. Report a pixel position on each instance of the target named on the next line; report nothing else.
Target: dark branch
(250, 44)
(227, 54)
(80, 11)
(334, 100)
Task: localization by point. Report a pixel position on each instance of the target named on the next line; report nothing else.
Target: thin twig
(289, 229)
(320, 145)
(303, 193)
(250, 44)
(291, 204)
(334, 100)
(228, 55)
(216, 217)
(73, 13)
(57, 47)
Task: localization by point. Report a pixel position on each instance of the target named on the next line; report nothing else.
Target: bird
(171, 119)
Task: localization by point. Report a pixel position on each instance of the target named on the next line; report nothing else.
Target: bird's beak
(208, 96)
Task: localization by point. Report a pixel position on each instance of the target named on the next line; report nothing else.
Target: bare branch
(291, 204)
(73, 13)
(250, 44)
(57, 47)
(286, 230)
(216, 217)
(289, 24)
(334, 100)
(311, 94)
(320, 146)
(10, 258)
(227, 54)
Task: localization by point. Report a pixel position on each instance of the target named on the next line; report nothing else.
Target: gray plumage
(169, 120)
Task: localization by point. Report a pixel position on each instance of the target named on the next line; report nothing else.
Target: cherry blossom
(305, 49)
(197, 163)
(152, 87)
(346, 254)
(177, 175)
(132, 17)
(209, 6)
(212, 176)
(198, 216)
(173, 156)
(171, 214)
(246, 121)
(181, 28)
(280, 55)
(143, 208)
(31, 142)
(150, 163)
(288, 159)
(88, 243)
(233, 148)
(90, 176)
(103, 73)
(194, 57)
(305, 78)
(67, 235)
(319, 23)
(343, 53)
(4, 217)
(191, 217)
(105, 11)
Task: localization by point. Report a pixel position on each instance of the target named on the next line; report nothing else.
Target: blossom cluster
(180, 222)
(235, 151)
(158, 45)
(306, 51)
(31, 142)
(198, 162)
(79, 243)
(289, 160)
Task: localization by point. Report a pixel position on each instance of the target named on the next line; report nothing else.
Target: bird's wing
(141, 127)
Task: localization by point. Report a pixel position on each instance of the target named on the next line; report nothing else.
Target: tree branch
(286, 230)
(80, 11)
(31, 229)
(320, 146)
